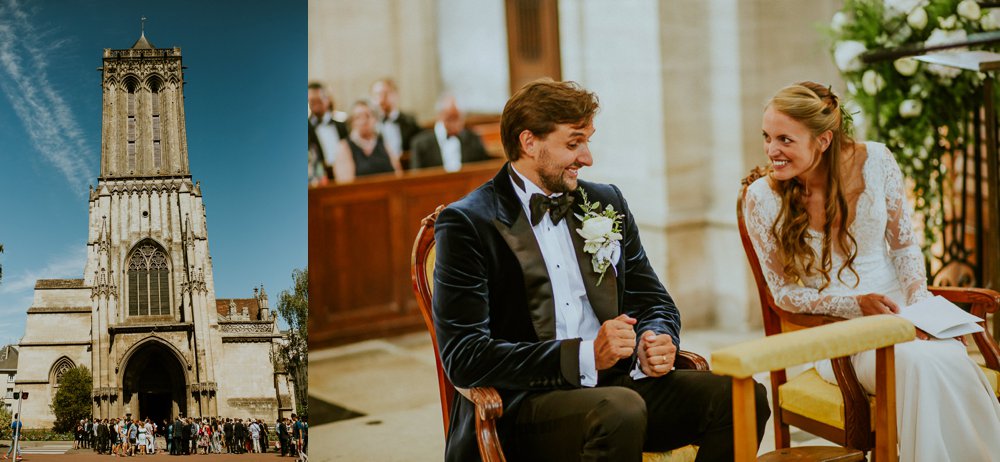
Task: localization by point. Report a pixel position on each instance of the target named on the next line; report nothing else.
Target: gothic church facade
(144, 318)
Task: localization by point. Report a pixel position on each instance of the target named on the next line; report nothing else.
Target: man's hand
(656, 354)
(615, 340)
(876, 304)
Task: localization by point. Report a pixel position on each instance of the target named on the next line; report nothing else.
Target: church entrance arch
(154, 385)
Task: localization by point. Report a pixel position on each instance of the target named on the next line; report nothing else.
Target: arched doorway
(154, 385)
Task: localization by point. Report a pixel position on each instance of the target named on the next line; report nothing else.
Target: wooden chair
(489, 406)
(840, 413)
(779, 351)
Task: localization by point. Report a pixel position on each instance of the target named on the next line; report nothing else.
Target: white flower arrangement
(601, 231)
(913, 107)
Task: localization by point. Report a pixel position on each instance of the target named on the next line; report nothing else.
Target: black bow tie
(558, 207)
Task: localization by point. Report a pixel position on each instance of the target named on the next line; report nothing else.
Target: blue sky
(244, 105)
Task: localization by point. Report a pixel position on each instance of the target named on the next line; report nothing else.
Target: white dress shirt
(575, 318)
(328, 137)
(391, 135)
(451, 148)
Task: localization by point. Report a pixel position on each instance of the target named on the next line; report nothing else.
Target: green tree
(293, 356)
(72, 402)
(5, 419)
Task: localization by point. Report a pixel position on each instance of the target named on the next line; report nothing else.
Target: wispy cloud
(47, 118)
(17, 288)
(69, 265)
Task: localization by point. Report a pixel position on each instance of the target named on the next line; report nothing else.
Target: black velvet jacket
(494, 310)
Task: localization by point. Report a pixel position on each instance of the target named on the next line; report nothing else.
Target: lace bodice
(888, 261)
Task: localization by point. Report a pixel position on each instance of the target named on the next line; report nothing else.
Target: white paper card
(941, 318)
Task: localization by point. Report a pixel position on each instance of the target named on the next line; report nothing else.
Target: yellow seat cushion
(993, 376)
(810, 396)
(685, 454)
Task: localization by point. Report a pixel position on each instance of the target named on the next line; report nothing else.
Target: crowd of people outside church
(375, 136)
(125, 436)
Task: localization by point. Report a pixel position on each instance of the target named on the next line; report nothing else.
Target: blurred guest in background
(364, 152)
(397, 128)
(449, 144)
(325, 133)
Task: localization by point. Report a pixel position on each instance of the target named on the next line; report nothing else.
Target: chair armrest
(983, 300)
(489, 408)
(807, 320)
(829, 341)
(690, 360)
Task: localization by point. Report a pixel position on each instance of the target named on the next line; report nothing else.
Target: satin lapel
(521, 240)
(603, 298)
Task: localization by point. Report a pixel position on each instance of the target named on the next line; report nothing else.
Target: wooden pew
(360, 237)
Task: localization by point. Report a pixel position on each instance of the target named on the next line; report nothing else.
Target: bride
(831, 226)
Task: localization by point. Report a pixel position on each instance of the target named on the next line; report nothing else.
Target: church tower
(155, 345)
(144, 318)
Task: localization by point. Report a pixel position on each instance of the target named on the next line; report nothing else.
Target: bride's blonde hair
(819, 109)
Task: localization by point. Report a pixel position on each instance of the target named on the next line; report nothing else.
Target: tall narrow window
(149, 282)
(131, 86)
(155, 99)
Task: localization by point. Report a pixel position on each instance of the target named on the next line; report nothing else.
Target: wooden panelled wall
(360, 238)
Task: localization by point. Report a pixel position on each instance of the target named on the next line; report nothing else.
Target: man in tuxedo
(449, 143)
(397, 128)
(325, 131)
(582, 358)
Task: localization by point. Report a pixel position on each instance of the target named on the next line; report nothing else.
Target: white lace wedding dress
(946, 409)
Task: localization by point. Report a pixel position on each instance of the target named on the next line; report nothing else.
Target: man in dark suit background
(397, 128)
(449, 143)
(579, 338)
(325, 130)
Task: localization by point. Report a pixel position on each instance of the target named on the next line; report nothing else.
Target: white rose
(948, 23)
(906, 66)
(596, 228)
(838, 22)
(910, 108)
(872, 82)
(945, 72)
(917, 19)
(847, 55)
(969, 9)
(991, 21)
(903, 6)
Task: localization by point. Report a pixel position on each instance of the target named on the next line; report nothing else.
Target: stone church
(144, 318)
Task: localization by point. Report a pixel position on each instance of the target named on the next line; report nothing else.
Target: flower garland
(916, 107)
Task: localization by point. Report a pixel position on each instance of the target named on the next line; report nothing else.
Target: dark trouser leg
(589, 424)
(693, 407)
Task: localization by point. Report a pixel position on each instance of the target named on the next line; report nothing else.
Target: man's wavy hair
(539, 106)
(819, 109)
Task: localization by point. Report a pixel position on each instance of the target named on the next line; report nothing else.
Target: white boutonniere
(601, 232)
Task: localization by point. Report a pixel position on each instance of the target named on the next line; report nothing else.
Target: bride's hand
(876, 304)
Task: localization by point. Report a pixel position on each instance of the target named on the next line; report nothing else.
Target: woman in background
(364, 152)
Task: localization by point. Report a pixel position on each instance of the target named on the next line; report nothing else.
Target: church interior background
(682, 86)
(144, 318)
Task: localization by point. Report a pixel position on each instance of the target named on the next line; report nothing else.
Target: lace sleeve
(760, 210)
(903, 248)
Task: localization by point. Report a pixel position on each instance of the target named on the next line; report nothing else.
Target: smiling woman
(832, 229)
